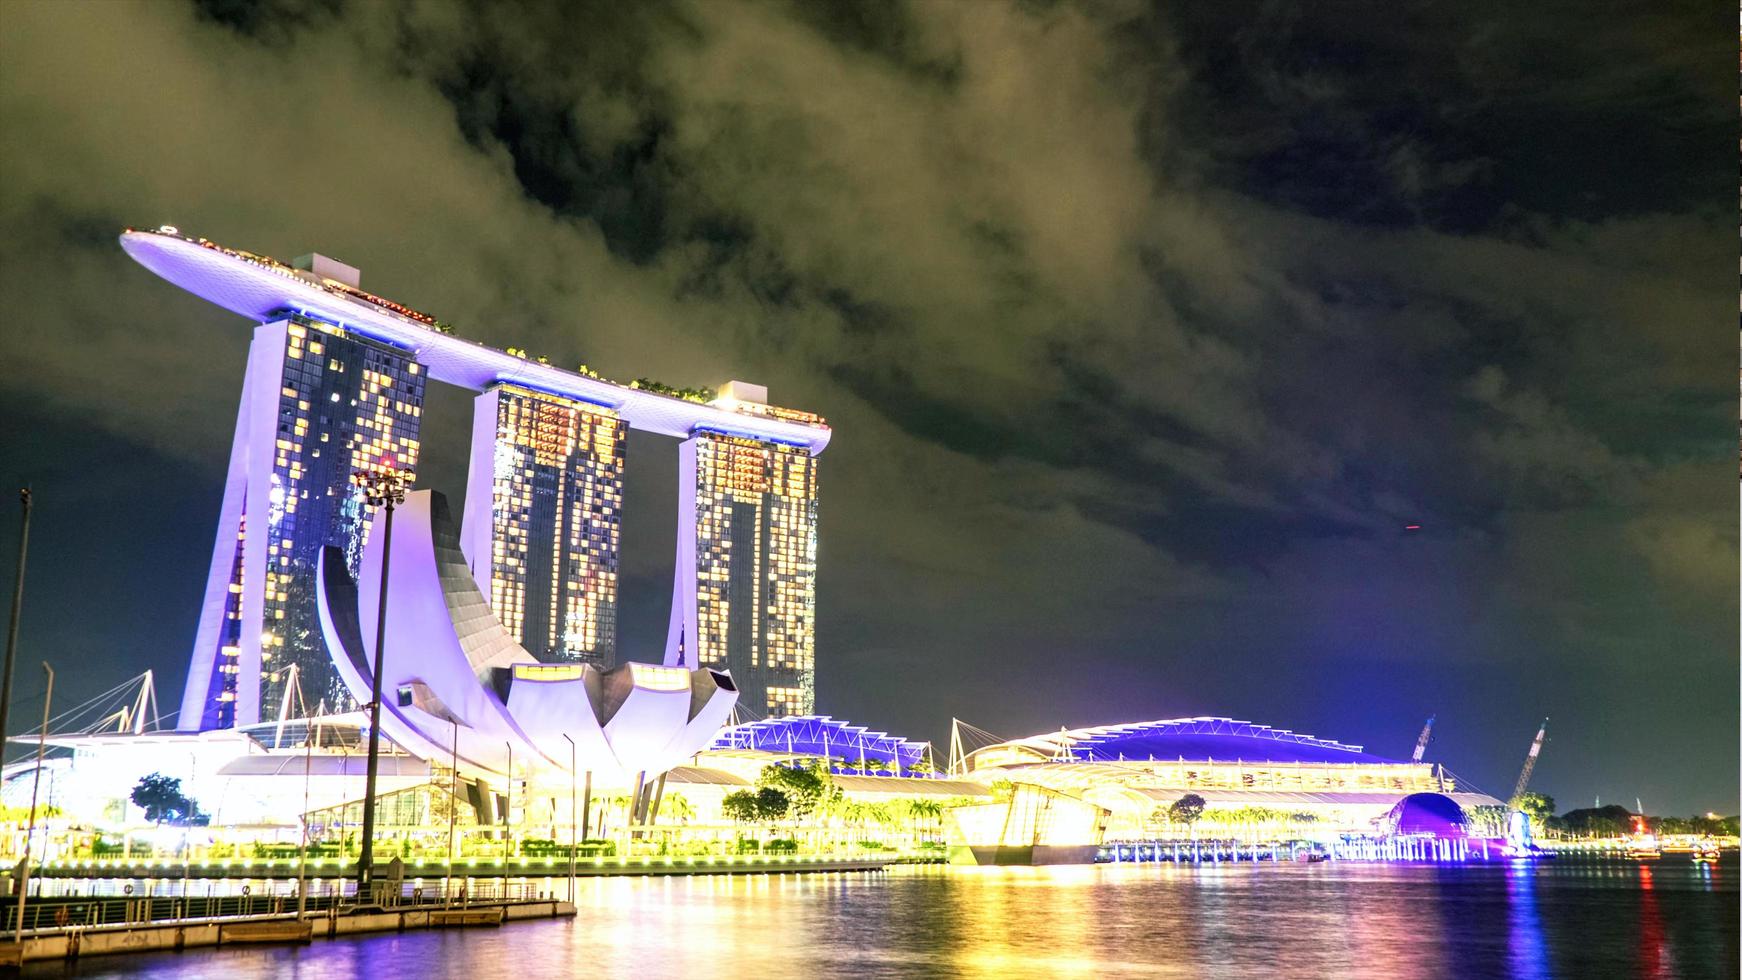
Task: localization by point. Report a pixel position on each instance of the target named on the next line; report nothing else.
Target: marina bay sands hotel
(334, 385)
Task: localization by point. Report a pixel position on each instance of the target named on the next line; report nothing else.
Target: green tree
(803, 785)
(677, 807)
(163, 801)
(741, 807)
(771, 803)
(1537, 806)
(927, 812)
(1187, 809)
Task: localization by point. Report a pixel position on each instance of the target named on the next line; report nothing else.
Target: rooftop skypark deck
(264, 289)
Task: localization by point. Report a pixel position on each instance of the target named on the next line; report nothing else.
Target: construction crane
(1427, 732)
(1530, 761)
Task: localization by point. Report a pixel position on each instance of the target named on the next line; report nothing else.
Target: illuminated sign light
(718, 430)
(653, 678)
(549, 672)
(598, 406)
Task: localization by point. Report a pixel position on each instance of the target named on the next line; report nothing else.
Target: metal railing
(324, 898)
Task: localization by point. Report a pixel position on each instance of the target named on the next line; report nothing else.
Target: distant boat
(1644, 847)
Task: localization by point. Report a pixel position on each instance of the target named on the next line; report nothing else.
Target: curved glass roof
(821, 736)
(1192, 739)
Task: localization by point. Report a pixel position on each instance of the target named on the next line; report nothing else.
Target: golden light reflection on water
(1129, 921)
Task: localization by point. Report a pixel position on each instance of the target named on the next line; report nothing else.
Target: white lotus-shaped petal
(454, 681)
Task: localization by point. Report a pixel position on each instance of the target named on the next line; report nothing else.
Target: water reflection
(1345, 920)
(1654, 951)
(1527, 948)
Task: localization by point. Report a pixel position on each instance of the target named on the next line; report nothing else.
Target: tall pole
(574, 815)
(36, 781)
(187, 850)
(453, 813)
(12, 628)
(587, 808)
(383, 490)
(302, 852)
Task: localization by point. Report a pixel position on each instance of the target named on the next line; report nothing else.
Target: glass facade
(756, 563)
(556, 511)
(344, 403)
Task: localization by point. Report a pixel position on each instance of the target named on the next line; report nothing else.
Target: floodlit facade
(259, 781)
(319, 403)
(1256, 781)
(544, 511)
(744, 598)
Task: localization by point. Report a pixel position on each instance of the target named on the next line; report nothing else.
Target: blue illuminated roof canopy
(822, 737)
(1192, 739)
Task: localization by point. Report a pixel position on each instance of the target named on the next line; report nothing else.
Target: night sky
(1145, 333)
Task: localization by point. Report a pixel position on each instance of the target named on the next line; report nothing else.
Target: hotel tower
(318, 403)
(335, 385)
(544, 511)
(744, 598)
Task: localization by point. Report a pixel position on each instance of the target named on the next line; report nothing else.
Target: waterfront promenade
(69, 928)
(1565, 918)
(315, 868)
(105, 906)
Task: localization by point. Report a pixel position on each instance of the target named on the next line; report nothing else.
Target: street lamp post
(12, 627)
(383, 490)
(574, 815)
(35, 783)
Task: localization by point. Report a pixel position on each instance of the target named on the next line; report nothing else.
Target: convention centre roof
(820, 736)
(1189, 739)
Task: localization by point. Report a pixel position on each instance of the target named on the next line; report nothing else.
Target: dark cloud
(1145, 330)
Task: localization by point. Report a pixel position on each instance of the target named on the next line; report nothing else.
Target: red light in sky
(1412, 527)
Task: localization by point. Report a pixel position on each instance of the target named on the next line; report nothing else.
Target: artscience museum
(456, 685)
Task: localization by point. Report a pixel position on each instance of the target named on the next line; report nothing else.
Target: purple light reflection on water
(1562, 918)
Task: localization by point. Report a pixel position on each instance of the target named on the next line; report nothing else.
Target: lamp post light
(12, 626)
(574, 815)
(35, 784)
(383, 490)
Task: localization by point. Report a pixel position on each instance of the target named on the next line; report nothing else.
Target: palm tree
(678, 807)
(881, 814)
(902, 811)
(614, 802)
(928, 810)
